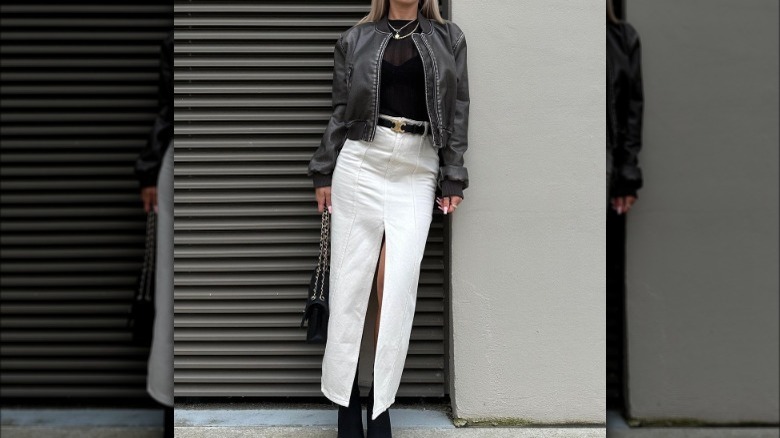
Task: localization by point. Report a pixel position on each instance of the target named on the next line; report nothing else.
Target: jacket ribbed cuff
(451, 188)
(321, 179)
(147, 179)
(624, 191)
(622, 186)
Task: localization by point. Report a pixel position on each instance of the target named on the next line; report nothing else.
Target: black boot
(351, 418)
(379, 428)
(168, 421)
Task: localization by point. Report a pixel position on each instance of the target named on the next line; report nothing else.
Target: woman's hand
(323, 198)
(622, 204)
(448, 203)
(149, 198)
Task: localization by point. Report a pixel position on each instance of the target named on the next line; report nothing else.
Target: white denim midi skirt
(159, 380)
(383, 186)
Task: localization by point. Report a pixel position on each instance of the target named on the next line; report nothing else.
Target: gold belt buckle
(398, 124)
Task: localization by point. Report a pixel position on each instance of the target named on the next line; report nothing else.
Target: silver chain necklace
(398, 31)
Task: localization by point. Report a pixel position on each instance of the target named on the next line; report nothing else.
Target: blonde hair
(611, 12)
(430, 9)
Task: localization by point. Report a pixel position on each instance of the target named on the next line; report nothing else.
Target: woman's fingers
(320, 200)
(445, 204)
(145, 200)
(622, 204)
(149, 198)
(323, 199)
(628, 202)
(448, 204)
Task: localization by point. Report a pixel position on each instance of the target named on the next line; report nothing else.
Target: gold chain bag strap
(316, 310)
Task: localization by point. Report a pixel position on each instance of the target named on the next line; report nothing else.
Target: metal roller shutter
(252, 99)
(78, 99)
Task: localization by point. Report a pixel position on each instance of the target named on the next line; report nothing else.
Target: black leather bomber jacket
(149, 161)
(357, 65)
(625, 104)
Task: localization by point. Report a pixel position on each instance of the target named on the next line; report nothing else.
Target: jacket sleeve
(453, 175)
(628, 178)
(323, 161)
(147, 165)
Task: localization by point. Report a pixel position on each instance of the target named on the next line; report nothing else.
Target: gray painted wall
(528, 302)
(702, 299)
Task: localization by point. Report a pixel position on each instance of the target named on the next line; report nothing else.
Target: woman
(154, 171)
(396, 137)
(625, 102)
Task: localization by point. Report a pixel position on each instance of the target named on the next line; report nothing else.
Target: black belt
(401, 126)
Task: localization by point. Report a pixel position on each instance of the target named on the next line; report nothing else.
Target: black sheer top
(402, 87)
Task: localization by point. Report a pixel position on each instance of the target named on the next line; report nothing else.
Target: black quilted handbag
(316, 310)
(141, 317)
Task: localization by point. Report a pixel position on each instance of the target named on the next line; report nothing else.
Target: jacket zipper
(378, 84)
(427, 105)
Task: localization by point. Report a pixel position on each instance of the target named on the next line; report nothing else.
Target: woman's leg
(380, 283)
(379, 427)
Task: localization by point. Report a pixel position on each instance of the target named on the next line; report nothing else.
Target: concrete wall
(702, 300)
(528, 301)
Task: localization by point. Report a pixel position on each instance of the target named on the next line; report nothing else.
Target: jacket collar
(425, 23)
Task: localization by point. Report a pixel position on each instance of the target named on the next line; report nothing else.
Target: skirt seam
(354, 216)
